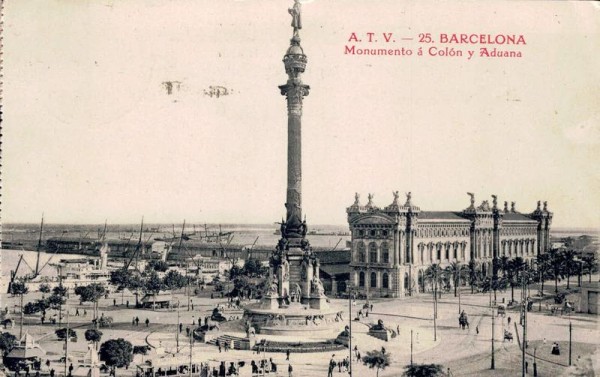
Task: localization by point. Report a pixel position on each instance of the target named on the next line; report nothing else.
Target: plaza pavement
(465, 352)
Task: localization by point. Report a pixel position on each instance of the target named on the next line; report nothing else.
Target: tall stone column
(295, 63)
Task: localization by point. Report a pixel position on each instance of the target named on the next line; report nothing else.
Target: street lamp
(349, 289)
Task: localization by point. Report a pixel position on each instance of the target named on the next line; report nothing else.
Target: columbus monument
(295, 297)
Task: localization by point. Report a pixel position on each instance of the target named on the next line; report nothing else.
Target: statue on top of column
(296, 17)
(545, 206)
(494, 201)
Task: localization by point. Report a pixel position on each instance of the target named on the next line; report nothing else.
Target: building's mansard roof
(442, 215)
(516, 216)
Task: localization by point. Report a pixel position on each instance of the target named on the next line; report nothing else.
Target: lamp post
(349, 327)
(493, 365)
(534, 363)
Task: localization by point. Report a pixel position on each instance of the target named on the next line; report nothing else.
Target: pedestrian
(192, 305)
(287, 354)
(133, 321)
(339, 366)
(290, 370)
(358, 356)
(137, 321)
(219, 345)
(509, 321)
(180, 327)
(52, 371)
(77, 312)
(147, 322)
(398, 329)
(114, 302)
(330, 370)
(85, 312)
(127, 303)
(371, 307)
(48, 363)
(477, 329)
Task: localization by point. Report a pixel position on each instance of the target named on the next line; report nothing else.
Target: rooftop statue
(370, 197)
(472, 198)
(545, 206)
(495, 201)
(396, 195)
(356, 198)
(408, 198)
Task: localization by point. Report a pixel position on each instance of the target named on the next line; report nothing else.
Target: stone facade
(393, 246)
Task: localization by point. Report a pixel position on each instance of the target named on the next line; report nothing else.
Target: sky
(90, 132)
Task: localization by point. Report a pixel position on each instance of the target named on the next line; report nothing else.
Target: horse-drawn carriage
(508, 336)
(501, 310)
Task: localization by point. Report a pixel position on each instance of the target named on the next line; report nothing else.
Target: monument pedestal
(319, 303)
(269, 302)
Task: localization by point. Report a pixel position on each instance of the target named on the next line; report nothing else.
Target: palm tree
(512, 269)
(18, 288)
(569, 264)
(590, 263)
(434, 274)
(423, 370)
(556, 262)
(377, 359)
(472, 274)
(503, 264)
(543, 262)
(455, 272)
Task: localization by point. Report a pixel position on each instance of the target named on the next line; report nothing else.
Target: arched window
(373, 252)
(385, 253)
(373, 280)
(361, 279)
(439, 252)
(386, 281)
(361, 252)
(455, 252)
(406, 280)
(447, 251)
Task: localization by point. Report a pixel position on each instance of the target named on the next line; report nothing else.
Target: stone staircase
(235, 342)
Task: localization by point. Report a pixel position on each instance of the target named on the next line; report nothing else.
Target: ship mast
(39, 249)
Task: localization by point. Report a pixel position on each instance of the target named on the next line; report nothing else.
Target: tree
(377, 359)
(55, 301)
(94, 336)
(91, 293)
(569, 264)
(36, 307)
(7, 342)
(556, 264)
(473, 275)
(116, 353)
(18, 288)
(120, 278)
(591, 264)
(153, 285)
(455, 272)
(503, 264)
(157, 265)
(174, 280)
(134, 284)
(513, 267)
(543, 262)
(423, 370)
(61, 334)
(44, 288)
(60, 290)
